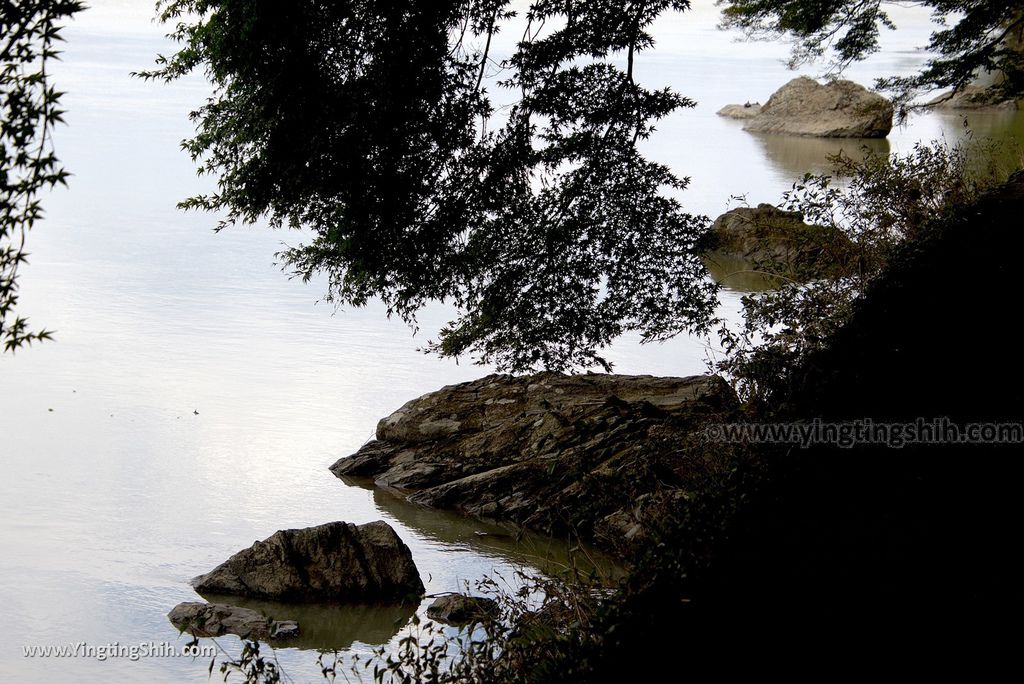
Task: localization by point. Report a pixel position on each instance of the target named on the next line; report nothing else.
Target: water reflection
(500, 541)
(736, 273)
(336, 627)
(992, 136)
(330, 627)
(794, 156)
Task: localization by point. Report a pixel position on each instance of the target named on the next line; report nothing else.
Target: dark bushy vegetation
(971, 37)
(430, 168)
(881, 204)
(816, 548)
(832, 548)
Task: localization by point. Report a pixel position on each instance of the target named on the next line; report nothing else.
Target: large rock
(336, 561)
(778, 242)
(549, 451)
(214, 620)
(840, 109)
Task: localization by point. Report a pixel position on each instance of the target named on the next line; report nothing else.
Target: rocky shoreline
(599, 459)
(592, 456)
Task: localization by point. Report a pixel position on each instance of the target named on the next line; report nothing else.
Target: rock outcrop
(740, 111)
(337, 561)
(778, 242)
(549, 451)
(459, 609)
(840, 109)
(972, 97)
(631, 525)
(214, 620)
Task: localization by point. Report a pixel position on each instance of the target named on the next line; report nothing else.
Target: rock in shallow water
(214, 620)
(459, 609)
(284, 629)
(337, 561)
(840, 109)
(781, 243)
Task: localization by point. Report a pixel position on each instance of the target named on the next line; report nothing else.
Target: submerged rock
(840, 109)
(780, 243)
(214, 620)
(549, 451)
(284, 629)
(337, 561)
(459, 609)
(740, 111)
(329, 625)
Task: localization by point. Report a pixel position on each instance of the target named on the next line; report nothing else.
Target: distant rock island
(840, 109)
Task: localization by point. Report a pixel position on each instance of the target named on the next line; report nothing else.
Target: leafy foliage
(532, 636)
(886, 203)
(431, 170)
(972, 37)
(251, 665)
(29, 109)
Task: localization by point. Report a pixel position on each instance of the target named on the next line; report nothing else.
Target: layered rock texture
(337, 561)
(840, 109)
(552, 452)
(779, 242)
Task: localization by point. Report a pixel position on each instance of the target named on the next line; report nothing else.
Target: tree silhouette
(29, 109)
(381, 127)
(972, 37)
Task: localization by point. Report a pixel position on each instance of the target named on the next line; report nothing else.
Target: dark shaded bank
(865, 550)
(923, 531)
(774, 557)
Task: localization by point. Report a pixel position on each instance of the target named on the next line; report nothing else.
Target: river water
(194, 396)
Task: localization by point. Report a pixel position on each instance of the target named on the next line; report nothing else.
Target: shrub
(881, 204)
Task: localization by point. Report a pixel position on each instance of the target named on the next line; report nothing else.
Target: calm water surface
(115, 492)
